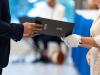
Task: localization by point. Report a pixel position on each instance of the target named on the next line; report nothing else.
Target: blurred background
(46, 55)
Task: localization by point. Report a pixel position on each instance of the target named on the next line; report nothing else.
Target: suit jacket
(7, 31)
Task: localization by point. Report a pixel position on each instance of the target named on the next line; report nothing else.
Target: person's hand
(31, 29)
(72, 40)
(88, 56)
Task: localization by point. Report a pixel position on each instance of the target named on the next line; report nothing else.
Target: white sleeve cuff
(97, 40)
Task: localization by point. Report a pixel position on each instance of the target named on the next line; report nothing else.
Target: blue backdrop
(82, 27)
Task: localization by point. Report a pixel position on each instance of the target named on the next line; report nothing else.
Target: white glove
(72, 40)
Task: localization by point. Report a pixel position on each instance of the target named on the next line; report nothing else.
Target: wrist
(24, 26)
(79, 38)
(26, 30)
(80, 42)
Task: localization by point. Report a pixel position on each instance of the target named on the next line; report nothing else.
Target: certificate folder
(51, 27)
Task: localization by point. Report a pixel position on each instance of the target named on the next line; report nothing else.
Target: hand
(31, 29)
(72, 40)
(88, 56)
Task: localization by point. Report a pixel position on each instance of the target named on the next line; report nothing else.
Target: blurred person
(93, 43)
(51, 9)
(12, 31)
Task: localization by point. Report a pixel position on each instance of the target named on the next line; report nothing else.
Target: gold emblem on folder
(45, 27)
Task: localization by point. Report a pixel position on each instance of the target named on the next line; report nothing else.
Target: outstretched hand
(72, 40)
(31, 29)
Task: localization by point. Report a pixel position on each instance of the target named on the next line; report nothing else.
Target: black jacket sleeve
(12, 31)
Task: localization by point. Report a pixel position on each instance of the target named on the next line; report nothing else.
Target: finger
(36, 29)
(34, 25)
(35, 35)
(37, 25)
(35, 32)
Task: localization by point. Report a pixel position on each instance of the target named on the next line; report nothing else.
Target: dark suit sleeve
(13, 31)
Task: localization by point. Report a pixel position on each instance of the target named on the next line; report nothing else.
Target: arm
(89, 42)
(75, 40)
(14, 31)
